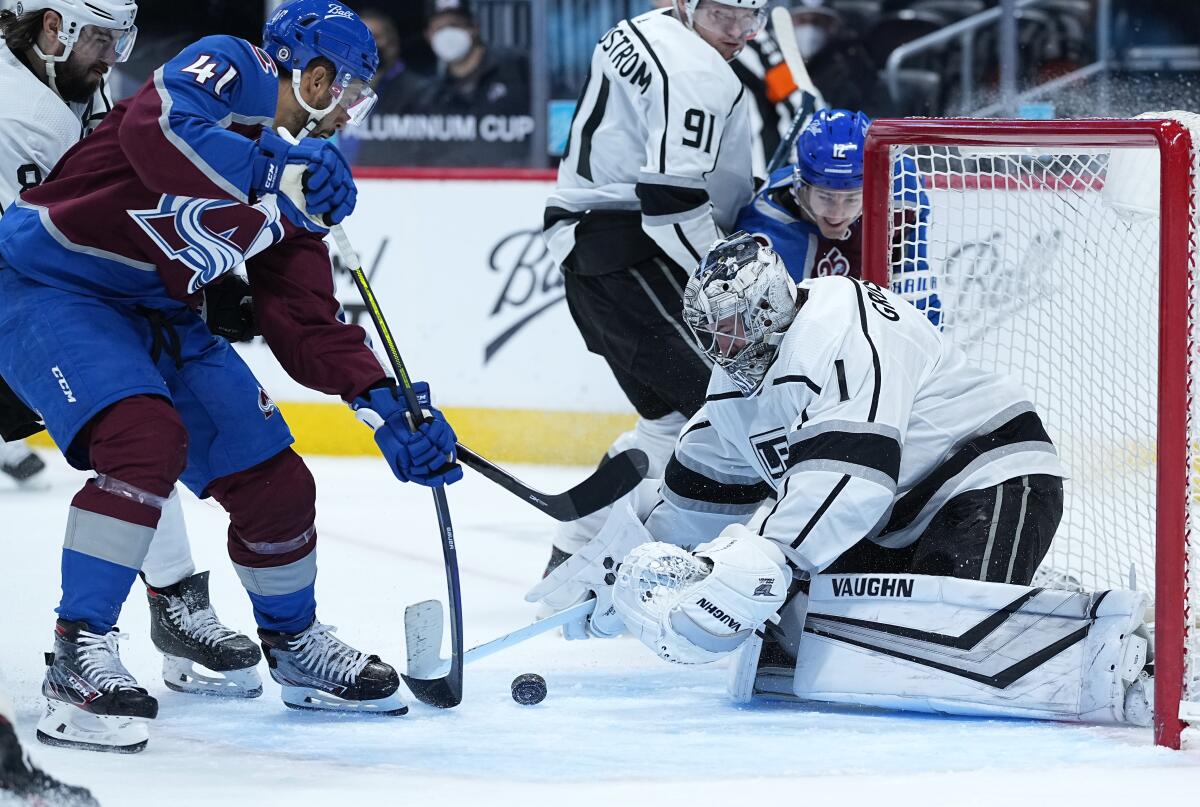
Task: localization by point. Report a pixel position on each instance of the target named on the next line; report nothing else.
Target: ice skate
(319, 671)
(200, 655)
(20, 780)
(92, 702)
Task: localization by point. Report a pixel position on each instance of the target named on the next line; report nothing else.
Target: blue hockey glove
(311, 178)
(424, 456)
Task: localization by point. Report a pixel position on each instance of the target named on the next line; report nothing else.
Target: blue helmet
(303, 30)
(829, 152)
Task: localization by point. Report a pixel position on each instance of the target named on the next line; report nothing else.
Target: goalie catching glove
(424, 454)
(698, 607)
(311, 180)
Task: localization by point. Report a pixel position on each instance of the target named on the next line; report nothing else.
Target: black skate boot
(20, 780)
(186, 630)
(319, 671)
(92, 702)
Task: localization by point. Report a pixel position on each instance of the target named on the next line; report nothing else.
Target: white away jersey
(661, 128)
(36, 126)
(866, 424)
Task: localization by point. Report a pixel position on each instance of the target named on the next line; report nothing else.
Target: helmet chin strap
(51, 62)
(315, 116)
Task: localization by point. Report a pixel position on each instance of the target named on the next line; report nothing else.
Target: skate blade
(317, 701)
(184, 675)
(68, 726)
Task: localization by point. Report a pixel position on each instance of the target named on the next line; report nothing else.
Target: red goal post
(1054, 260)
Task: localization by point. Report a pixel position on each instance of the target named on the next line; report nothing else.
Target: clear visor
(730, 21)
(356, 98)
(836, 206)
(108, 45)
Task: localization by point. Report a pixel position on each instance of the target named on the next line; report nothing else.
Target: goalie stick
(810, 97)
(445, 689)
(615, 477)
(423, 636)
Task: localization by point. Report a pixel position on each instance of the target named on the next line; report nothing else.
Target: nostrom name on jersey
(625, 59)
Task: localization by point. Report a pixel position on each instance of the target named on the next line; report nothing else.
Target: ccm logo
(63, 385)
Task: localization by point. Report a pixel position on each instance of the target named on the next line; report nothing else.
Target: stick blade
(423, 625)
(431, 679)
(444, 693)
(613, 479)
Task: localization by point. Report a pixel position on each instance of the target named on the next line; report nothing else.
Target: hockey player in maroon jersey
(101, 269)
(53, 74)
(811, 211)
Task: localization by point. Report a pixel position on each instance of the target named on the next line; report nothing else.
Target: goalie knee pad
(694, 608)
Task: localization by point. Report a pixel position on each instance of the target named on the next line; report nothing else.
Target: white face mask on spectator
(810, 39)
(451, 43)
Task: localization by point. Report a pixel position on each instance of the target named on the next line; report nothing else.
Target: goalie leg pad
(946, 645)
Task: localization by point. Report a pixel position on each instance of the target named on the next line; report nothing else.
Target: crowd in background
(455, 83)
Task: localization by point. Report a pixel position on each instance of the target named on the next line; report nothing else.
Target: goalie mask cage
(1064, 253)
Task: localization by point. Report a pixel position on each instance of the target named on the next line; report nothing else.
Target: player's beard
(76, 81)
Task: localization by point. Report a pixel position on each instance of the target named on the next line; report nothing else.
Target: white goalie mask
(99, 30)
(738, 306)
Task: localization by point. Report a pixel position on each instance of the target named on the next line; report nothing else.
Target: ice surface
(618, 724)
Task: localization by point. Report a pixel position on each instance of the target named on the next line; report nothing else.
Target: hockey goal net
(1064, 253)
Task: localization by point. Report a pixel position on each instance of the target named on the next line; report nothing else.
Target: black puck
(528, 689)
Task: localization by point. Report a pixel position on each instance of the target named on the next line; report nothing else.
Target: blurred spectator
(474, 112)
(400, 91)
(838, 61)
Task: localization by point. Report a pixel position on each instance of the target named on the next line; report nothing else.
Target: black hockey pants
(998, 534)
(633, 317)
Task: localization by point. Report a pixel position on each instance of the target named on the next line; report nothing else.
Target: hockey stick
(423, 632)
(810, 97)
(615, 477)
(445, 690)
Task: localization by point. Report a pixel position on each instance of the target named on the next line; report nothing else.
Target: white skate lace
(201, 625)
(327, 656)
(100, 663)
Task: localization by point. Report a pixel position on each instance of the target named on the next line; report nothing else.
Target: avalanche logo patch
(832, 263)
(265, 404)
(209, 236)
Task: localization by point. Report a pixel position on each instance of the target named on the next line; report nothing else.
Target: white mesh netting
(1048, 268)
